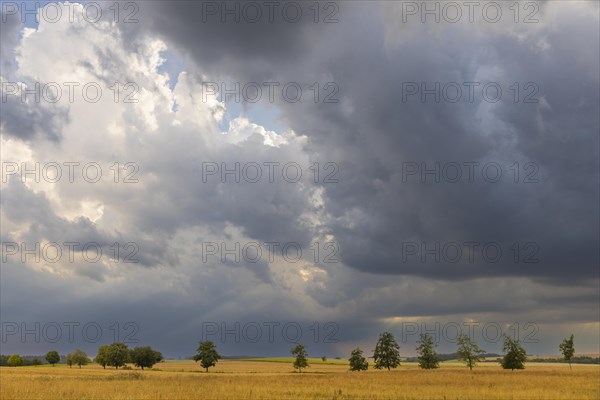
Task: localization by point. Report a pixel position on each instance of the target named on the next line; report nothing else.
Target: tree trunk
(206, 369)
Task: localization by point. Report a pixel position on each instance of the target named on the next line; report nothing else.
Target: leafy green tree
(301, 357)
(567, 348)
(515, 355)
(117, 354)
(387, 352)
(145, 357)
(15, 361)
(357, 361)
(35, 362)
(81, 358)
(102, 356)
(69, 360)
(207, 354)
(52, 357)
(428, 358)
(78, 357)
(468, 351)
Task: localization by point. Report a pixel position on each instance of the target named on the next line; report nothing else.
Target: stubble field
(273, 379)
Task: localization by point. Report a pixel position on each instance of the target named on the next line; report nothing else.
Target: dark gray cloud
(262, 49)
(382, 133)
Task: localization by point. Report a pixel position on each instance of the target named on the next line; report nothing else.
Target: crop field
(276, 379)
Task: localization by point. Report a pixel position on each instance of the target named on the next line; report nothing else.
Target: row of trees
(113, 355)
(117, 355)
(386, 354)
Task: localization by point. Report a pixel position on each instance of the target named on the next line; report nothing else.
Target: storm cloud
(449, 170)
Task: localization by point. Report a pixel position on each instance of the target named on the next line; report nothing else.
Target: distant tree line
(113, 355)
(574, 360)
(454, 356)
(24, 360)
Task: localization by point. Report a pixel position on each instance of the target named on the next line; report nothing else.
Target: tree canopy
(515, 355)
(78, 357)
(301, 357)
(567, 348)
(52, 357)
(117, 354)
(15, 360)
(102, 356)
(207, 354)
(387, 352)
(357, 361)
(145, 357)
(468, 351)
(428, 358)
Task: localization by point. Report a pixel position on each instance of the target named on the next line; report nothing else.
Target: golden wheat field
(276, 380)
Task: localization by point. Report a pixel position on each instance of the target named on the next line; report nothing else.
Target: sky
(263, 174)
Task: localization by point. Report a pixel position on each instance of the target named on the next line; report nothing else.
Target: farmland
(276, 379)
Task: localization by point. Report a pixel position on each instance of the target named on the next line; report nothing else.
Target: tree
(3, 360)
(300, 362)
(468, 351)
(387, 352)
(515, 355)
(357, 361)
(78, 357)
(69, 360)
(35, 362)
(145, 357)
(207, 354)
(567, 348)
(428, 358)
(117, 354)
(15, 361)
(52, 357)
(102, 356)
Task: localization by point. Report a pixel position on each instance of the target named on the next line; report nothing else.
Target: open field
(274, 379)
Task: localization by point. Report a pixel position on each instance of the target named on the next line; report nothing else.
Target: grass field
(275, 379)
